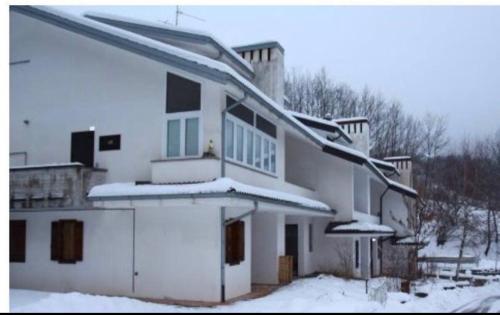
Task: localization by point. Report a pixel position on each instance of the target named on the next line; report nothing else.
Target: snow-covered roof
(397, 158)
(175, 29)
(320, 123)
(385, 165)
(358, 228)
(219, 186)
(402, 188)
(350, 120)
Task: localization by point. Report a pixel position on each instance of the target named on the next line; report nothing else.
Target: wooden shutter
(56, 242)
(17, 241)
(67, 241)
(240, 227)
(230, 248)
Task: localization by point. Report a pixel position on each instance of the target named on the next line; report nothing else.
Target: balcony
(52, 185)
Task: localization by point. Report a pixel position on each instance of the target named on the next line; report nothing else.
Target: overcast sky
(444, 60)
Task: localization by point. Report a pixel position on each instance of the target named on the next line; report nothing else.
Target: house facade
(156, 162)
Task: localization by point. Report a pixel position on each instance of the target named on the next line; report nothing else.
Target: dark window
(241, 111)
(266, 126)
(17, 241)
(269, 54)
(348, 128)
(107, 143)
(355, 129)
(356, 251)
(260, 54)
(183, 95)
(235, 243)
(67, 241)
(251, 55)
(82, 147)
(310, 238)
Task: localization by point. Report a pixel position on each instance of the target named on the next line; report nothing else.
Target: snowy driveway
(320, 294)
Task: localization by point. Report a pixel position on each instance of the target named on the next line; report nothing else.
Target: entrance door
(292, 245)
(82, 147)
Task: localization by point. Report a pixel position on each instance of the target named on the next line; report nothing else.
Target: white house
(156, 162)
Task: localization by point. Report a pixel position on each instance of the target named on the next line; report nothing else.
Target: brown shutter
(56, 242)
(241, 241)
(230, 244)
(79, 241)
(17, 241)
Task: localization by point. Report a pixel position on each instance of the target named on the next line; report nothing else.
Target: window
(235, 243)
(229, 139)
(191, 138)
(273, 157)
(239, 143)
(310, 238)
(258, 149)
(248, 144)
(183, 95)
(356, 252)
(17, 244)
(266, 154)
(108, 143)
(265, 126)
(173, 138)
(67, 241)
(249, 147)
(183, 137)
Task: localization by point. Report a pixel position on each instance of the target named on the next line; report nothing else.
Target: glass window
(229, 139)
(266, 154)
(249, 147)
(191, 137)
(173, 138)
(258, 153)
(273, 157)
(239, 143)
(183, 95)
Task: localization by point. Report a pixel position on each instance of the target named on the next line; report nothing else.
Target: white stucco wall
(73, 83)
(107, 254)
(395, 213)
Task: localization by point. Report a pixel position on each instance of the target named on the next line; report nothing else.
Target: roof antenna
(179, 12)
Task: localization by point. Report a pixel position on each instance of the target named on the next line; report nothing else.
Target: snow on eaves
(397, 158)
(322, 121)
(363, 227)
(402, 187)
(220, 185)
(350, 120)
(172, 28)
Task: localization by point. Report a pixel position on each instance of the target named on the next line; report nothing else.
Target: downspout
(223, 209)
(381, 222)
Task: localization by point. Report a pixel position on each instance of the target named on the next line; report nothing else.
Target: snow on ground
(320, 294)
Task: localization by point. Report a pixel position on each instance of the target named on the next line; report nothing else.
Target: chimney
(404, 165)
(268, 61)
(359, 130)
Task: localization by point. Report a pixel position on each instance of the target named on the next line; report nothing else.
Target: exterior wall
(395, 213)
(361, 190)
(90, 84)
(376, 190)
(268, 243)
(107, 266)
(329, 177)
(64, 186)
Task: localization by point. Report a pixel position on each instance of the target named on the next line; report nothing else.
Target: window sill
(191, 158)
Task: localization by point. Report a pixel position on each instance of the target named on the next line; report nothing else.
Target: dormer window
(182, 129)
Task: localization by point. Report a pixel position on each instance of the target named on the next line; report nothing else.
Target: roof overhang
(315, 123)
(355, 229)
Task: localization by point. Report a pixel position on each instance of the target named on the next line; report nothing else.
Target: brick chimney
(268, 61)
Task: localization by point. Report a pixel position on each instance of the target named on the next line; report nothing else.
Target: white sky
(444, 60)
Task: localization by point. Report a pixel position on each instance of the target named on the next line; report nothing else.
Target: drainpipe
(381, 216)
(223, 135)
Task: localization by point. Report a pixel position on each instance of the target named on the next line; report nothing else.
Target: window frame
(182, 117)
(256, 133)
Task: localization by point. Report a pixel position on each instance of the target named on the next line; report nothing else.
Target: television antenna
(179, 12)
